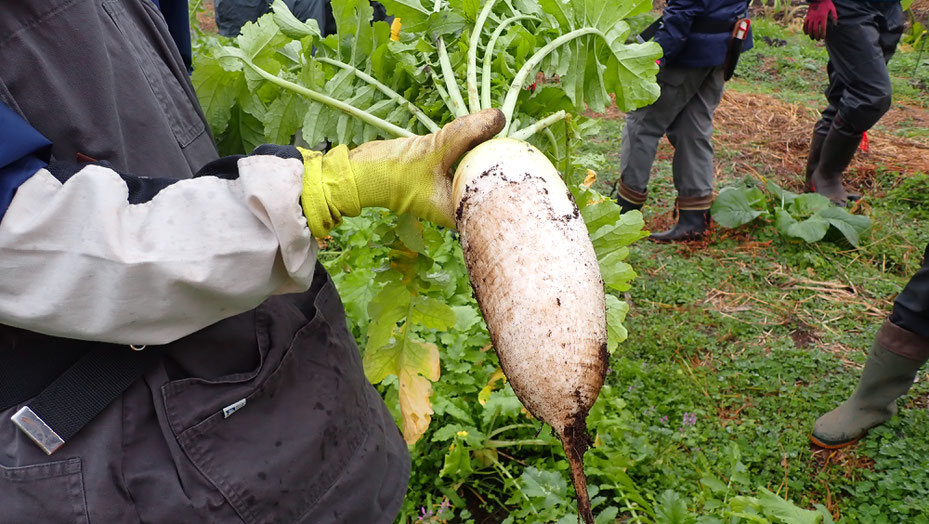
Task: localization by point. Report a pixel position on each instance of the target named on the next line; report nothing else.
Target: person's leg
(859, 47)
(645, 127)
(900, 348)
(691, 135)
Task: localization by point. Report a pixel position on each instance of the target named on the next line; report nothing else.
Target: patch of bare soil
(776, 135)
(206, 19)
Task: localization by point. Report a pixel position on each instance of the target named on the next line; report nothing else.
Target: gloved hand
(406, 175)
(820, 14)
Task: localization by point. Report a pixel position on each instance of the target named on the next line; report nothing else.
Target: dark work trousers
(911, 308)
(684, 112)
(312, 442)
(860, 44)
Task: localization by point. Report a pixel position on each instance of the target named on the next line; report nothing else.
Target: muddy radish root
(537, 282)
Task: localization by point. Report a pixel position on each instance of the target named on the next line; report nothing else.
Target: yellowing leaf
(489, 388)
(419, 367)
(415, 364)
(395, 29)
(590, 178)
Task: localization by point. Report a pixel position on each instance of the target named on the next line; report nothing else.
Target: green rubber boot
(892, 364)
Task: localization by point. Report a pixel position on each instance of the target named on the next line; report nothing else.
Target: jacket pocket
(178, 107)
(50, 492)
(298, 424)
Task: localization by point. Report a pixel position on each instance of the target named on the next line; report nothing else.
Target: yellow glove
(406, 175)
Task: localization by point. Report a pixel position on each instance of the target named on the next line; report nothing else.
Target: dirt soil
(776, 135)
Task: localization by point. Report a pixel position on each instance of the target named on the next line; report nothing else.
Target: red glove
(820, 14)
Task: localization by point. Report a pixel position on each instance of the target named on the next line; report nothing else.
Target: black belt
(713, 25)
(67, 389)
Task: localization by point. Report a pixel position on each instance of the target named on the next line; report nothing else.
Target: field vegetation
(735, 344)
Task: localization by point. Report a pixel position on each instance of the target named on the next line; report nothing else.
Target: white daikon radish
(538, 284)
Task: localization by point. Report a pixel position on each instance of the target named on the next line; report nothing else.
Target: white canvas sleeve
(78, 260)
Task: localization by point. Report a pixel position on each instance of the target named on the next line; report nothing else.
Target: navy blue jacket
(686, 41)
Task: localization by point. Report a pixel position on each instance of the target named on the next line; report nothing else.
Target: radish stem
(528, 131)
(397, 97)
(458, 106)
(489, 57)
(509, 104)
(473, 101)
(329, 101)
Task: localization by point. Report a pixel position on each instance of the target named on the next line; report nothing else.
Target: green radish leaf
(284, 118)
(616, 311)
(216, 89)
(292, 26)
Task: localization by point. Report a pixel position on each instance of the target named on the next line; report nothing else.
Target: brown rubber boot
(693, 220)
(893, 362)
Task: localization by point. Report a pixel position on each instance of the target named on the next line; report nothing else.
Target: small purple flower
(689, 419)
(664, 419)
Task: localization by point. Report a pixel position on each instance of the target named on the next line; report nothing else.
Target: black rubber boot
(693, 220)
(893, 362)
(628, 198)
(837, 152)
(816, 148)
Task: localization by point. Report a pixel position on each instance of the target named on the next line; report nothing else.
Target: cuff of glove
(329, 189)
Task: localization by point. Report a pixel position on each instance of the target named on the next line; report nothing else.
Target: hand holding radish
(406, 175)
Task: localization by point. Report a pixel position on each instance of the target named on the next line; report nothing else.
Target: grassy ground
(758, 335)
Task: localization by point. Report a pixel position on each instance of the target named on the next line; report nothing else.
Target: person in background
(900, 348)
(171, 350)
(699, 52)
(231, 15)
(861, 37)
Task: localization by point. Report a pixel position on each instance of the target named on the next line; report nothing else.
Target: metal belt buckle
(37, 430)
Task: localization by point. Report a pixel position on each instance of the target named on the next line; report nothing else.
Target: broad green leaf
(784, 511)
(616, 332)
(616, 274)
(671, 508)
(457, 462)
(292, 26)
(851, 226)
(808, 203)
(615, 236)
(432, 313)
(284, 118)
(315, 124)
(714, 484)
(390, 306)
(256, 36)
(549, 488)
(736, 206)
(412, 13)
(416, 365)
(216, 89)
(811, 229)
